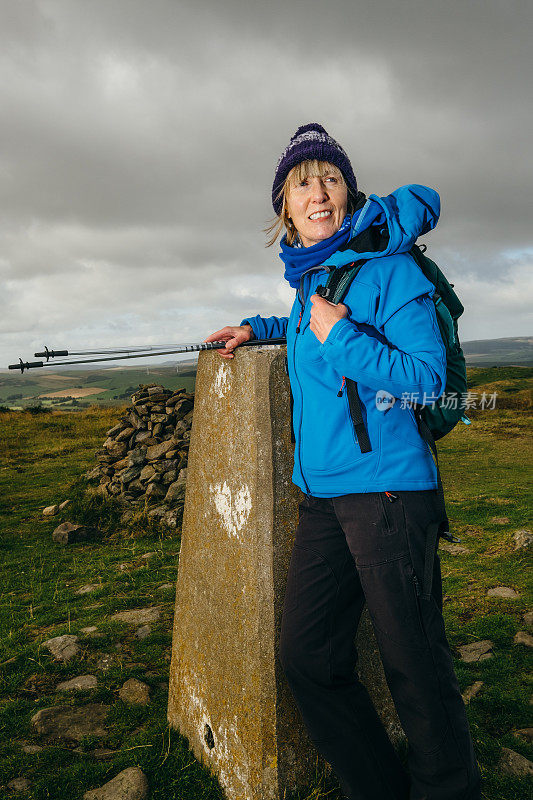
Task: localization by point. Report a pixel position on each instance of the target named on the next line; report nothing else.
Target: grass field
(484, 469)
(108, 387)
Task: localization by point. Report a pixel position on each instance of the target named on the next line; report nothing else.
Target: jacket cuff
(337, 329)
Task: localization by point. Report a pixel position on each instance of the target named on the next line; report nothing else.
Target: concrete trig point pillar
(228, 693)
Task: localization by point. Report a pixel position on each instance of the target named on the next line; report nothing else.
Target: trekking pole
(184, 348)
(48, 354)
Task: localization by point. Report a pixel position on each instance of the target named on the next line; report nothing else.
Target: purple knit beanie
(309, 142)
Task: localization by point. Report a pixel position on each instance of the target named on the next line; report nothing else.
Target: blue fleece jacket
(390, 344)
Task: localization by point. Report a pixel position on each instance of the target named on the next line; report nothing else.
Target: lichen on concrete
(227, 692)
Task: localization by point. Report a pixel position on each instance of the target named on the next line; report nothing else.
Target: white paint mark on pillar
(233, 507)
(221, 385)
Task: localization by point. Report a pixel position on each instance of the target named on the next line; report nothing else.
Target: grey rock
(154, 491)
(125, 434)
(172, 518)
(135, 692)
(453, 549)
(138, 616)
(522, 539)
(93, 473)
(157, 513)
(472, 691)
(169, 477)
(514, 764)
(136, 487)
(130, 474)
(135, 420)
(143, 632)
(166, 587)
(477, 651)
(176, 490)
(103, 753)
(89, 630)
(72, 533)
(106, 662)
(157, 390)
(88, 588)
(116, 429)
(147, 472)
(116, 449)
(80, 684)
(528, 617)
(158, 450)
(500, 520)
(71, 724)
(32, 749)
(64, 504)
(50, 511)
(19, 785)
(143, 437)
(504, 592)
(523, 637)
(63, 648)
(137, 456)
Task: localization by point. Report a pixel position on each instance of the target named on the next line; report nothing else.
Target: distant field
(82, 388)
(114, 386)
(72, 393)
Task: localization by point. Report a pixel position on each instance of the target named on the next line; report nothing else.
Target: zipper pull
(299, 321)
(391, 497)
(417, 585)
(339, 393)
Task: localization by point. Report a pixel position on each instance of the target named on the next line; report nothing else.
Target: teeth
(319, 214)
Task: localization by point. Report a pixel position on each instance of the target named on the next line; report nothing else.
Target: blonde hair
(305, 169)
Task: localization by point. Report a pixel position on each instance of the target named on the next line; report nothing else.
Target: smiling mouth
(320, 214)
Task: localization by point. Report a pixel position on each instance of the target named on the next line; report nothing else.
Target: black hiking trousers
(361, 548)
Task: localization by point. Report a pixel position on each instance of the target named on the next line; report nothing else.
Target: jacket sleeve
(413, 357)
(267, 327)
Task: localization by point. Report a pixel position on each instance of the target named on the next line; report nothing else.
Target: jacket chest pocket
(361, 300)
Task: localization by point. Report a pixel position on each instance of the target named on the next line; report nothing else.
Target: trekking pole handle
(22, 365)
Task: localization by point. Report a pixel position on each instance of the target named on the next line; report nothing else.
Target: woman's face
(317, 206)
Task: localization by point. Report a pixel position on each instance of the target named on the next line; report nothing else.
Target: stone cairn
(143, 462)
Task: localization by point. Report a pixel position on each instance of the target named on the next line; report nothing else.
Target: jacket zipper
(302, 303)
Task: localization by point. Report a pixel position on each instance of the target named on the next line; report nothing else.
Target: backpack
(435, 420)
(444, 414)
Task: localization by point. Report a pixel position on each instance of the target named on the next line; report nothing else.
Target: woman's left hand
(324, 315)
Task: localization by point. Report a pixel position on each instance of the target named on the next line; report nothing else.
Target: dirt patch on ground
(74, 392)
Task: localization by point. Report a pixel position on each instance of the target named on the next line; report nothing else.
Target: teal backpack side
(443, 415)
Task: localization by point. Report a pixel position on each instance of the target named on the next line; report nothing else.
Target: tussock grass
(41, 459)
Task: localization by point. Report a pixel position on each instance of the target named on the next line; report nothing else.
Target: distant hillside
(499, 352)
(76, 389)
(72, 389)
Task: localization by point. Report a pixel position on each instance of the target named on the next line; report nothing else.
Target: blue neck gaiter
(298, 259)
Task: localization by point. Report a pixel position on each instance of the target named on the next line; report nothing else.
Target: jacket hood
(398, 220)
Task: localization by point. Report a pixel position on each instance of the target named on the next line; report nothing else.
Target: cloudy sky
(138, 143)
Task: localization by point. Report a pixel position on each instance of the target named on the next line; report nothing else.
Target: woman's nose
(318, 192)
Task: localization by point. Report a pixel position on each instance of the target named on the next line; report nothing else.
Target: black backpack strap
(338, 282)
(437, 528)
(337, 285)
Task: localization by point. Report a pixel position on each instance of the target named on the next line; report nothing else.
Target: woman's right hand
(233, 335)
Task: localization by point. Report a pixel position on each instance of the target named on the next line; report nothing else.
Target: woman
(362, 524)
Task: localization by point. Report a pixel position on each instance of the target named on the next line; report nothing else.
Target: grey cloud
(138, 141)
